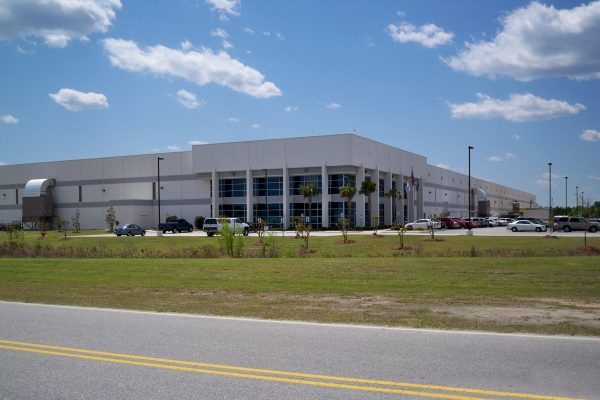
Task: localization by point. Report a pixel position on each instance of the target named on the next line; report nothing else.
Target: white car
(424, 224)
(526, 226)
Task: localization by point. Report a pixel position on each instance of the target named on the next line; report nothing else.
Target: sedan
(129, 230)
(424, 224)
(526, 226)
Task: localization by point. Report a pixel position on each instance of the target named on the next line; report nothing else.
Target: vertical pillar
(249, 195)
(420, 200)
(411, 202)
(375, 197)
(360, 199)
(389, 217)
(324, 196)
(286, 192)
(400, 186)
(215, 193)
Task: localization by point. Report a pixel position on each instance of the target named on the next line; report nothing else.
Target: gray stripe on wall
(112, 181)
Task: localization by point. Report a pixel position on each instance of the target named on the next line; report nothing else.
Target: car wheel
(164, 231)
(175, 230)
(143, 233)
(567, 228)
(129, 234)
(409, 228)
(593, 229)
(538, 229)
(190, 230)
(118, 235)
(209, 234)
(246, 231)
(514, 229)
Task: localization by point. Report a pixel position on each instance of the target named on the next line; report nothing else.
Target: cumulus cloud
(256, 126)
(538, 41)
(173, 148)
(233, 120)
(590, 135)
(509, 156)
(518, 108)
(56, 21)
(196, 142)
(333, 106)
(495, 158)
(74, 100)
(290, 109)
(9, 119)
(226, 7)
(187, 99)
(201, 66)
(429, 35)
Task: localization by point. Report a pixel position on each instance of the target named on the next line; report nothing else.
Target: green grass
(389, 291)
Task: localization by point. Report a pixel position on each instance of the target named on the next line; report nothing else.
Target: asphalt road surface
(54, 352)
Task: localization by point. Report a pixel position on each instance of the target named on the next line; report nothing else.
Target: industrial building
(251, 180)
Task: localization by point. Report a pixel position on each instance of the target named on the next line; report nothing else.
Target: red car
(450, 223)
(461, 222)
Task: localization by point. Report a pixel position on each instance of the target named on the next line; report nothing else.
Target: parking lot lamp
(158, 162)
(566, 194)
(469, 232)
(550, 193)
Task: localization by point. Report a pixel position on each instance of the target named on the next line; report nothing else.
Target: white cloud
(290, 109)
(429, 35)
(279, 36)
(201, 66)
(590, 135)
(517, 136)
(333, 106)
(188, 100)
(196, 142)
(229, 7)
(593, 177)
(538, 41)
(186, 45)
(440, 165)
(495, 158)
(233, 120)
(74, 100)
(220, 33)
(56, 21)
(256, 126)
(3, 163)
(173, 148)
(249, 30)
(9, 119)
(518, 108)
(509, 156)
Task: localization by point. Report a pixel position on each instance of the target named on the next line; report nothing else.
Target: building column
(420, 198)
(215, 194)
(411, 201)
(360, 199)
(324, 196)
(286, 192)
(400, 211)
(389, 217)
(249, 195)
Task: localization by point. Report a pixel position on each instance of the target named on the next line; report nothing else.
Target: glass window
(336, 181)
(233, 211)
(336, 209)
(234, 187)
(302, 210)
(275, 186)
(381, 188)
(297, 181)
(381, 214)
(274, 217)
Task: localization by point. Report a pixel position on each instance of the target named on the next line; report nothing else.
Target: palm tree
(309, 191)
(367, 187)
(394, 194)
(348, 192)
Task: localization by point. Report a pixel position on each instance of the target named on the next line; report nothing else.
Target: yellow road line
(218, 370)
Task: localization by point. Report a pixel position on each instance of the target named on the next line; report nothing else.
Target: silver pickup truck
(212, 226)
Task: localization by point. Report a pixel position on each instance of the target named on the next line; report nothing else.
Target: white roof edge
(37, 187)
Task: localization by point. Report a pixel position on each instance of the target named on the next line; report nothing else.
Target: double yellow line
(337, 382)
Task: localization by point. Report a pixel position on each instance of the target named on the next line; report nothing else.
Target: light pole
(576, 200)
(582, 204)
(550, 193)
(469, 231)
(158, 163)
(566, 194)
(266, 198)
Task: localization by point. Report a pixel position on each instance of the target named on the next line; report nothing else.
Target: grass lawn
(559, 294)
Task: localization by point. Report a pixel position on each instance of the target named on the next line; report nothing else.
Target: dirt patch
(588, 250)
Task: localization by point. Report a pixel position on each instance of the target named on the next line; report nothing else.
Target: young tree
(75, 220)
(395, 195)
(308, 191)
(348, 192)
(110, 218)
(367, 188)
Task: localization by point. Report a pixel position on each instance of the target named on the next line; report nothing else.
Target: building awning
(480, 194)
(38, 187)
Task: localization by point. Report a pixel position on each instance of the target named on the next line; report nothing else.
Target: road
(54, 352)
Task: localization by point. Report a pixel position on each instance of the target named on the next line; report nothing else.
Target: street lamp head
(160, 158)
(471, 147)
(549, 164)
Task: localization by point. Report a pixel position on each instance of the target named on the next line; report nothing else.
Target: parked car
(504, 221)
(569, 224)
(213, 226)
(474, 222)
(492, 221)
(449, 223)
(461, 222)
(181, 225)
(526, 226)
(534, 220)
(129, 230)
(424, 223)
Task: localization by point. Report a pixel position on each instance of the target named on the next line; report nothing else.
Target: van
(213, 226)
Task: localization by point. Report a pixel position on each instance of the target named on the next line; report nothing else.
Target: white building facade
(252, 180)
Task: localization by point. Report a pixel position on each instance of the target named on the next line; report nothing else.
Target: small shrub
(171, 218)
(199, 222)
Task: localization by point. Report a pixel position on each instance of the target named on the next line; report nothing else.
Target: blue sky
(518, 80)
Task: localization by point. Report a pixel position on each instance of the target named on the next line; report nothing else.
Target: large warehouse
(250, 180)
